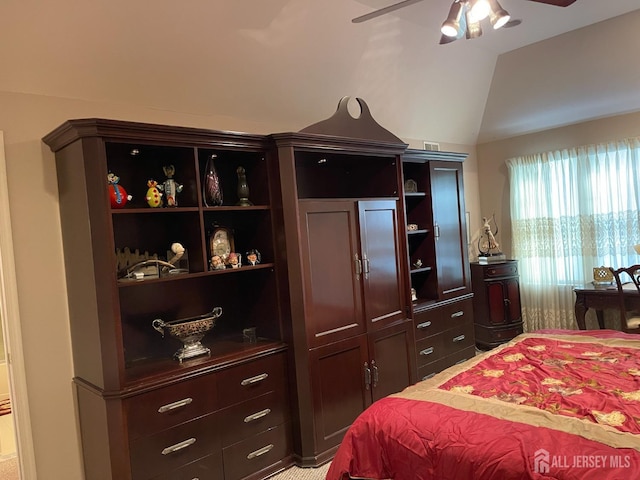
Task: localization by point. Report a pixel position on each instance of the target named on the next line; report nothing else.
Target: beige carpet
(297, 473)
(9, 469)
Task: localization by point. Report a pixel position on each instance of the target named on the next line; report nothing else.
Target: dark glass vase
(211, 188)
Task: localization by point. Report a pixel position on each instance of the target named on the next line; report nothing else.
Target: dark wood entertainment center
(330, 300)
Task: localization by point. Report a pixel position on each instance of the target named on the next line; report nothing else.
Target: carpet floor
(297, 473)
(9, 469)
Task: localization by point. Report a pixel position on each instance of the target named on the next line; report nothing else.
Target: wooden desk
(599, 298)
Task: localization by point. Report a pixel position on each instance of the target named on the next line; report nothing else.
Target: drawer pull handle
(172, 406)
(427, 377)
(461, 361)
(256, 379)
(459, 338)
(457, 314)
(257, 415)
(179, 446)
(260, 451)
(423, 325)
(427, 351)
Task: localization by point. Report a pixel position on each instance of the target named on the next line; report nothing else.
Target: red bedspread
(564, 405)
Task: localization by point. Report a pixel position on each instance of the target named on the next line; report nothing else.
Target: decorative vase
(211, 188)
(243, 188)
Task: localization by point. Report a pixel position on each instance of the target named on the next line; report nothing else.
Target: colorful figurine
(253, 257)
(117, 195)
(234, 260)
(217, 263)
(170, 187)
(154, 197)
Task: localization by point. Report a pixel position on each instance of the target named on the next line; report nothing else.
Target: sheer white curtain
(572, 210)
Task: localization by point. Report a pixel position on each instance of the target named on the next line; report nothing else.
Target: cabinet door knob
(366, 265)
(256, 379)
(172, 406)
(358, 265)
(367, 375)
(179, 446)
(257, 415)
(260, 451)
(374, 367)
(427, 351)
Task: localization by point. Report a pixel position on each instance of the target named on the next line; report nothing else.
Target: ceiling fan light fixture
(498, 15)
(474, 30)
(451, 26)
(478, 10)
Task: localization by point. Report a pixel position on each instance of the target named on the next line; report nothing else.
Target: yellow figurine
(154, 197)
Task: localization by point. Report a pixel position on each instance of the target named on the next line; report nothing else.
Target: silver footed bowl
(190, 332)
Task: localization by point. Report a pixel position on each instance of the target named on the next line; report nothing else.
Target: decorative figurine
(234, 260)
(211, 188)
(243, 188)
(414, 295)
(487, 244)
(117, 195)
(217, 263)
(170, 187)
(154, 197)
(253, 257)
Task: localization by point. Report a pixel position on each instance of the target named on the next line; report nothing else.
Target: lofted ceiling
(284, 63)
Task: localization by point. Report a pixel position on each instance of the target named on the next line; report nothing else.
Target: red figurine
(117, 195)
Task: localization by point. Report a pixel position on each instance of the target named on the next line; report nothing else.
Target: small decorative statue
(253, 257)
(243, 188)
(117, 194)
(487, 244)
(217, 263)
(154, 197)
(234, 260)
(170, 187)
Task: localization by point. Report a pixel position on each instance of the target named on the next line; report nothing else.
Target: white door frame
(12, 333)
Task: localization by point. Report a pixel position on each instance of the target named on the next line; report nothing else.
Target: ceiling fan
(465, 15)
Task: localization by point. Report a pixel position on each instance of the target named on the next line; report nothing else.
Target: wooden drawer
(169, 406)
(252, 417)
(429, 370)
(176, 447)
(448, 342)
(436, 320)
(497, 270)
(252, 379)
(257, 453)
(492, 336)
(207, 468)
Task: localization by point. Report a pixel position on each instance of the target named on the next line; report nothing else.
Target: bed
(551, 404)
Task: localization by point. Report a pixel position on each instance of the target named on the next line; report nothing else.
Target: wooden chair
(629, 318)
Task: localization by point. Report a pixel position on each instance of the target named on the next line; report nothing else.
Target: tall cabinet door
(382, 269)
(392, 359)
(450, 229)
(341, 377)
(332, 270)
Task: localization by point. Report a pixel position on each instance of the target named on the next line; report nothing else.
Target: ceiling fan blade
(557, 3)
(382, 11)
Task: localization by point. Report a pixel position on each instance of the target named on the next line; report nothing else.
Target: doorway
(18, 424)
